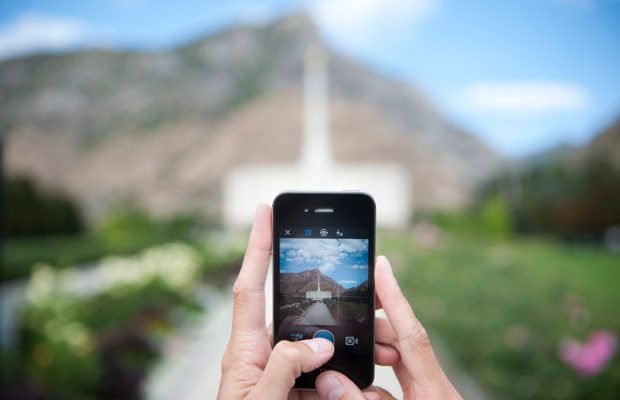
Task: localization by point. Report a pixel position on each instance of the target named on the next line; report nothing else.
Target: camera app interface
(323, 287)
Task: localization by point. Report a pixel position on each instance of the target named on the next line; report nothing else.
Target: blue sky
(343, 260)
(522, 75)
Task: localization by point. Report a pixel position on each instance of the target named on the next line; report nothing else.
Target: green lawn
(503, 306)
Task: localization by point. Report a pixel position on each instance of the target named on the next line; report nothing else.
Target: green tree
(33, 211)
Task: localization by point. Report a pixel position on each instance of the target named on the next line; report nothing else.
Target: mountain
(606, 145)
(163, 128)
(359, 291)
(297, 283)
(570, 192)
(604, 148)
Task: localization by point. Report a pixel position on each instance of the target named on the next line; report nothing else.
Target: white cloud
(347, 282)
(359, 266)
(524, 97)
(34, 32)
(328, 267)
(356, 23)
(327, 254)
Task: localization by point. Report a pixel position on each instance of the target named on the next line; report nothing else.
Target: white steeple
(247, 185)
(316, 155)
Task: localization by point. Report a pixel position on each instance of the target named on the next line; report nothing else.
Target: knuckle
(287, 351)
(288, 355)
(242, 290)
(239, 292)
(420, 336)
(228, 360)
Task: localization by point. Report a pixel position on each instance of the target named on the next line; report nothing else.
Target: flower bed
(95, 336)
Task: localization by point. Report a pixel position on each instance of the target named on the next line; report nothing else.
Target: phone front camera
(306, 210)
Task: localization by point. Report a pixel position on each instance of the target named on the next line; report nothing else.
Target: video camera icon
(351, 341)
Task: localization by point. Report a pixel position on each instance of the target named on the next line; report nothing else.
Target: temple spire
(316, 157)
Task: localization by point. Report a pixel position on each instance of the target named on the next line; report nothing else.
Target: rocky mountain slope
(297, 283)
(606, 145)
(162, 128)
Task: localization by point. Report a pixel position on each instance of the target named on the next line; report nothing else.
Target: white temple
(388, 183)
(318, 294)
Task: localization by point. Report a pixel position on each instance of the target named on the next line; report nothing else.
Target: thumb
(333, 385)
(286, 362)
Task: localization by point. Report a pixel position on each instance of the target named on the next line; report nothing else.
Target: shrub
(33, 211)
(100, 343)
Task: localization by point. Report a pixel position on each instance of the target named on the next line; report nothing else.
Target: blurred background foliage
(37, 212)
(503, 305)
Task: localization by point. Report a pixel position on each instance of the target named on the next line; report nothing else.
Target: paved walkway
(317, 314)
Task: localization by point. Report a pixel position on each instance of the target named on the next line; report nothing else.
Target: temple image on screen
(318, 294)
(323, 281)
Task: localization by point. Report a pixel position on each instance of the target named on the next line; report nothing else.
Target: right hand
(402, 343)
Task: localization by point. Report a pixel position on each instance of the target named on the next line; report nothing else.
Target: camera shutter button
(324, 334)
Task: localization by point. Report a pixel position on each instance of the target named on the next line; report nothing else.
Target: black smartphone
(323, 278)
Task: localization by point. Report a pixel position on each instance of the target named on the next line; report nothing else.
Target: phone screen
(323, 288)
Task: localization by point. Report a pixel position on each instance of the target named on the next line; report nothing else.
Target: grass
(503, 306)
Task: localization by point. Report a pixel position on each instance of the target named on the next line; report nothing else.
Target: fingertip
(383, 275)
(386, 355)
(319, 345)
(384, 263)
(376, 392)
(260, 236)
(372, 395)
(261, 210)
(333, 385)
(329, 386)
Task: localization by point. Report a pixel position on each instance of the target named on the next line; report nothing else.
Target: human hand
(251, 369)
(402, 343)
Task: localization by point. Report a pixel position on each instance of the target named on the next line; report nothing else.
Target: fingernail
(329, 387)
(319, 345)
(258, 207)
(386, 261)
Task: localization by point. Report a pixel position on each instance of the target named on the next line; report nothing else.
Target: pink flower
(591, 357)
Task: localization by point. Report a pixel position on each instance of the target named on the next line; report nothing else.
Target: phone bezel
(350, 209)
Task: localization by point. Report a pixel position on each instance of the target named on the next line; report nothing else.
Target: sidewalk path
(317, 314)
